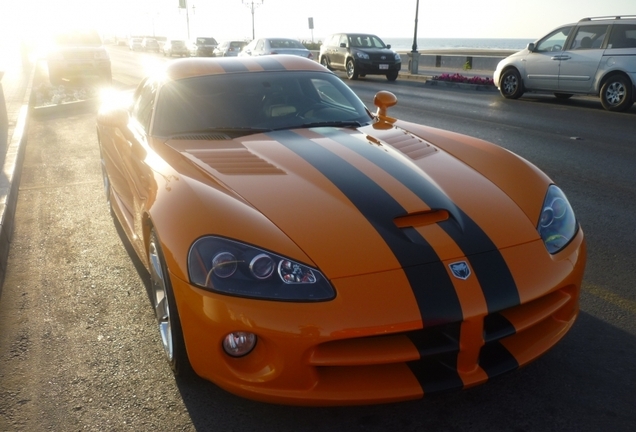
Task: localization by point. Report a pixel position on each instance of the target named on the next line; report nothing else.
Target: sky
(232, 19)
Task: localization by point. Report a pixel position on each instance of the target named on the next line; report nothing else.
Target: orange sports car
(304, 250)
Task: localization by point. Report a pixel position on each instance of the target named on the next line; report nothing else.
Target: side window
(343, 40)
(260, 45)
(142, 108)
(622, 36)
(554, 41)
(589, 37)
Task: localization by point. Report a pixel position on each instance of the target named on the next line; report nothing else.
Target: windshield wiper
(234, 131)
(336, 123)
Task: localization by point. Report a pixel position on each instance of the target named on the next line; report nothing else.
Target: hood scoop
(234, 161)
(421, 218)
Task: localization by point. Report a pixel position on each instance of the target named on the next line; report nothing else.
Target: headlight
(234, 268)
(397, 57)
(557, 224)
(362, 55)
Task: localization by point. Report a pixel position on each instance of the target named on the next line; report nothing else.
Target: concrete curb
(10, 179)
(66, 108)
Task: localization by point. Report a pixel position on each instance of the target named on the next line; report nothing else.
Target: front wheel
(165, 306)
(392, 76)
(510, 85)
(352, 69)
(616, 94)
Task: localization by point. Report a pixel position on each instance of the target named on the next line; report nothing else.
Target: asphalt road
(79, 348)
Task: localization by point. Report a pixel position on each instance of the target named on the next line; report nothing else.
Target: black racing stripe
(431, 284)
(231, 67)
(495, 359)
(497, 327)
(490, 268)
(269, 63)
(438, 347)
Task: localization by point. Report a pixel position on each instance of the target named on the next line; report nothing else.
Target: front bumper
(369, 346)
(370, 67)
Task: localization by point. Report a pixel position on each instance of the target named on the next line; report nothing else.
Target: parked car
(150, 44)
(360, 54)
(175, 47)
(135, 44)
(303, 250)
(78, 52)
(269, 46)
(596, 56)
(205, 46)
(229, 48)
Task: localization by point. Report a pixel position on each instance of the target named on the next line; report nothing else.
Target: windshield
(256, 101)
(365, 41)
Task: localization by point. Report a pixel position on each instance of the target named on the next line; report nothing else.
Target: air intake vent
(410, 145)
(203, 137)
(235, 162)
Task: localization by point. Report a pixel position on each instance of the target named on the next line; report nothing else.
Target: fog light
(239, 344)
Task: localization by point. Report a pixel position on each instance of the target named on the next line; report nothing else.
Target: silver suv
(596, 56)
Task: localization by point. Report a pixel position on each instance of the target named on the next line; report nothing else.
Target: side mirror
(343, 45)
(388, 46)
(530, 47)
(117, 117)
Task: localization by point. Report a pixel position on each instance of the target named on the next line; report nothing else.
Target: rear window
(78, 38)
(285, 43)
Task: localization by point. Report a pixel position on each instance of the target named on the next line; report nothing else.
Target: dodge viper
(302, 249)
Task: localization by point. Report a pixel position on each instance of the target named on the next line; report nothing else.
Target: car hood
(363, 201)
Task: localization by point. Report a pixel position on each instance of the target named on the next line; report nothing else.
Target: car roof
(201, 66)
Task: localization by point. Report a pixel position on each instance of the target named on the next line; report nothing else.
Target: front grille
(509, 339)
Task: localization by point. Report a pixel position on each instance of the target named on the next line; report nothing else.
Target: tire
(392, 76)
(616, 93)
(106, 186)
(351, 69)
(165, 306)
(325, 62)
(563, 95)
(510, 85)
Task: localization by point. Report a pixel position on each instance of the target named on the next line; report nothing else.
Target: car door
(580, 62)
(130, 184)
(543, 62)
(340, 51)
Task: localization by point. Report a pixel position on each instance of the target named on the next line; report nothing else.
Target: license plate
(384, 66)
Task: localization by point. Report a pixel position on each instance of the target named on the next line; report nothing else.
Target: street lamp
(414, 55)
(183, 4)
(252, 5)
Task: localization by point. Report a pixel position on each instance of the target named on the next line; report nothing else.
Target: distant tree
(312, 46)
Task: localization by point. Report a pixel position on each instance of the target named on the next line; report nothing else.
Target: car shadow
(586, 383)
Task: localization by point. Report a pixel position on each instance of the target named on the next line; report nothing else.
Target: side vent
(203, 137)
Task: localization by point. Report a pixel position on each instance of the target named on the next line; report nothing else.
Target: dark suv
(360, 54)
(78, 52)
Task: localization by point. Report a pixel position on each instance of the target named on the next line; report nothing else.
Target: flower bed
(458, 78)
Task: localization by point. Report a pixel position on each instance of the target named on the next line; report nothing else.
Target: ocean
(406, 44)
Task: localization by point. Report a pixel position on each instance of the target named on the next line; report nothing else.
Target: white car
(596, 56)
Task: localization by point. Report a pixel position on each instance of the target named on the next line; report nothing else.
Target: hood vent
(202, 137)
(410, 145)
(238, 161)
